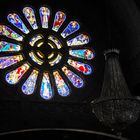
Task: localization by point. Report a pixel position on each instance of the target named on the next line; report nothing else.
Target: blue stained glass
(14, 76)
(44, 16)
(62, 88)
(84, 68)
(75, 79)
(17, 22)
(55, 41)
(72, 27)
(6, 31)
(55, 60)
(35, 39)
(30, 16)
(35, 58)
(7, 61)
(82, 53)
(81, 39)
(29, 85)
(46, 89)
(8, 47)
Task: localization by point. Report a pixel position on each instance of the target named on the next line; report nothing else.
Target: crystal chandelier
(116, 107)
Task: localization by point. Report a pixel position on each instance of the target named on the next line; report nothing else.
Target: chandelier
(115, 108)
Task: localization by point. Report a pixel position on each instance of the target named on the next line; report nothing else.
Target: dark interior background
(110, 25)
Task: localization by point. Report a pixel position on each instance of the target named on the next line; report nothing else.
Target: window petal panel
(46, 89)
(74, 78)
(62, 87)
(84, 68)
(58, 20)
(82, 53)
(81, 39)
(17, 22)
(6, 31)
(30, 16)
(72, 27)
(7, 61)
(14, 76)
(29, 85)
(9, 47)
(44, 16)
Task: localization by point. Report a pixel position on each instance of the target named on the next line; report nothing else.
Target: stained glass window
(9, 47)
(35, 58)
(44, 16)
(46, 58)
(55, 41)
(82, 53)
(50, 55)
(35, 39)
(62, 87)
(30, 16)
(6, 31)
(29, 85)
(56, 60)
(72, 27)
(46, 88)
(74, 78)
(82, 67)
(40, 54)
(58, 20)
(7, 61)
(14, 76)
(16, 21)
(81, 39)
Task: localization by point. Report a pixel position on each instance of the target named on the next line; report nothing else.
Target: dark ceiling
(110, 25)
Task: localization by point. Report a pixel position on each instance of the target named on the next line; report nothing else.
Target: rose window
(54, 51)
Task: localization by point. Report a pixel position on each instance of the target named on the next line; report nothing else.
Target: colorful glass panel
(40, 44)
(81, 39)
(17, 22)
(7, 61)
(44, 16)
(8, 47)
(35, 58)
(62, 88)
(84, 68)
(58, 20)
(55, 60)
(35, 39)
(6, 31)
(51, 55)
(29, 86)
(14, 76)
(46, 89)
(40, 54)
(82, 53)
(74, 79)
(72, 27)
(51, 45)
(55, 41)
(30, 16)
